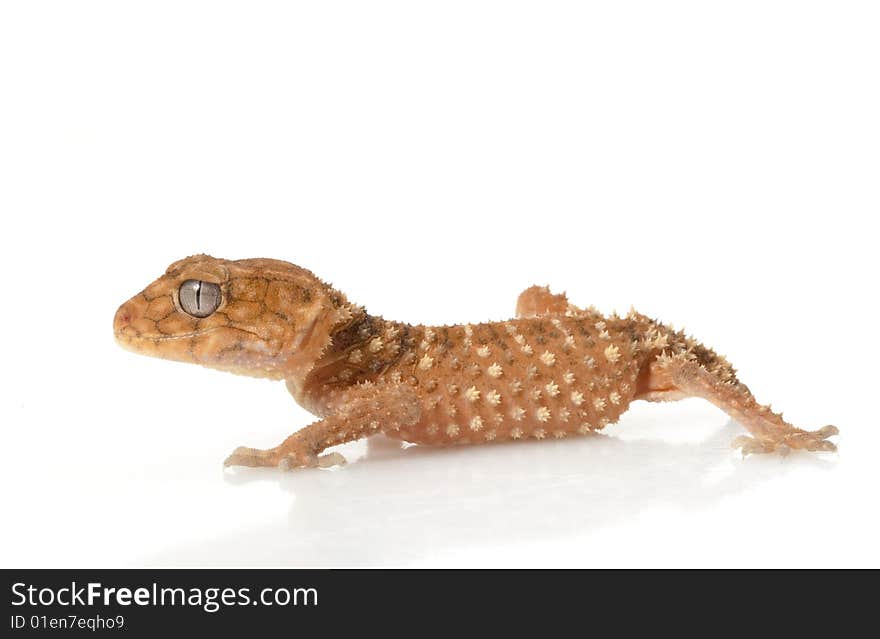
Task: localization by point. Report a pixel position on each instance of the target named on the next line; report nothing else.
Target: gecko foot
(816, 441)
(244, 456)
(291, 462)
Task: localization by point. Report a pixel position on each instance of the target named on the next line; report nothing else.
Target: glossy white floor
(125, 469)
(715, 167)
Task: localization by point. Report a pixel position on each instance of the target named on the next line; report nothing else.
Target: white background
(713, 164)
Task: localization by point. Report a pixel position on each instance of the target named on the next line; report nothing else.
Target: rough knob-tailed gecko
(556, 370)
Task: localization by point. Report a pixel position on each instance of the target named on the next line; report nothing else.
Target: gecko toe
(244, 456)
(292, 462)
(331, 459)
(828, 431)
(236, 457)
(823, 446)
(751, 446)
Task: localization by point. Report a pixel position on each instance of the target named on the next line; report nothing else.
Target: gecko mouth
(128, 334)
(223, 359)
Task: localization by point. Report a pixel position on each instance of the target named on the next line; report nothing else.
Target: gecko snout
(122, 320)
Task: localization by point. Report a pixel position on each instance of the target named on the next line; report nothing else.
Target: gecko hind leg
(538, 301)
(678, 376)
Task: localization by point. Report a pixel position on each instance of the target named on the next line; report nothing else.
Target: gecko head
(255, 317)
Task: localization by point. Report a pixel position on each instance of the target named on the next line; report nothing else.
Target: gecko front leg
(362, 411)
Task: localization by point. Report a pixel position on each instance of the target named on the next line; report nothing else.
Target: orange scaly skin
(554, 371)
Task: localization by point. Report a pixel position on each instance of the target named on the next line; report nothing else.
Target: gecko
(553, 371)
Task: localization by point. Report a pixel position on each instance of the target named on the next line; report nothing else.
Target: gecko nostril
(121, 320)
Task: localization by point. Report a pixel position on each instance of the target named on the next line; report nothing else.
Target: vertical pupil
(199, 295)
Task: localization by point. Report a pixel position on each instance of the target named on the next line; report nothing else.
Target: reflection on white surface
(398, 505)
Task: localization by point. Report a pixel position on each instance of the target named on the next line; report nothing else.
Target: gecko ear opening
(199, 298)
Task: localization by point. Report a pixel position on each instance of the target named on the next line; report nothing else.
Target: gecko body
(554, 371)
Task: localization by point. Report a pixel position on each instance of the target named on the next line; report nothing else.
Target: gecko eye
(199, 298)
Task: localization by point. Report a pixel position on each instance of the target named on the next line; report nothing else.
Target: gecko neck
(360, 350)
